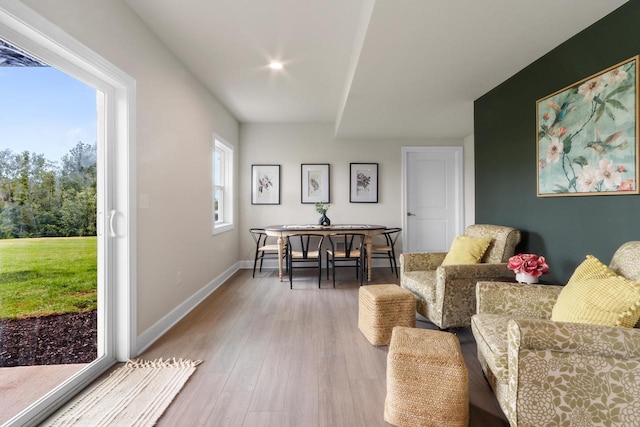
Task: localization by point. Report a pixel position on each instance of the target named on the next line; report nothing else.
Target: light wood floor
(279, 357)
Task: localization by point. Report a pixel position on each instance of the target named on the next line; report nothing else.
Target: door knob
(410, 214)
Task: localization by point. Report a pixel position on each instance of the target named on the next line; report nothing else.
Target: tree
(38, 197)
(79, 167)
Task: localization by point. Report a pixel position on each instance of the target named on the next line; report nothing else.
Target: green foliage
(560, 189)
(321, 208)
(543, 132)
(581, 160)
(47, 276)
(567, 144)
(39, 198)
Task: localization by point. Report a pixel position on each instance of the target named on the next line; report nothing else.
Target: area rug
(136, 394)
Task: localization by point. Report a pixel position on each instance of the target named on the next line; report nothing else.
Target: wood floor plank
(230, 409)
(244, 375)
(364, 392)
(292, 358)
(231, 336)
(363, 361)
(336, 405)
(271, 387)
(204, 388)
(302, 392)
(226, 349)
(280, 357)
(263, 419)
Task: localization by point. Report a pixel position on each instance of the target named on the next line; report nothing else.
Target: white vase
(526, 278)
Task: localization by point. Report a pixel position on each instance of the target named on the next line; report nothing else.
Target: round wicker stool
(427, 381)
(381, 307)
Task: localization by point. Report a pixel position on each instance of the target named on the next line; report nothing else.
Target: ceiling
(375, 68)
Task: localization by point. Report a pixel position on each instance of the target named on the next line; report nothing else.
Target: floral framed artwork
(315, 185)
(363, 181)
(265, 184)
(587, 135)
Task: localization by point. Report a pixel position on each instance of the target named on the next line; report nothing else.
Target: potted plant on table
(322, 209)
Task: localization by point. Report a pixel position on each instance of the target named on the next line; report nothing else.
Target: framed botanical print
(363, 180)
(587, 135)
(315, 185)
(265, 184)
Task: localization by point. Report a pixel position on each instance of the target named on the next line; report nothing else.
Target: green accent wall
(563, 229)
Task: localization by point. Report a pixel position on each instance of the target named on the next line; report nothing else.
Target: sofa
(547, 372)
(445, 294)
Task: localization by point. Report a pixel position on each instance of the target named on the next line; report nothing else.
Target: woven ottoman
(427, 381)
(381, 307)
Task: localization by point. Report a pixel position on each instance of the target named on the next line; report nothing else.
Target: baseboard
(148, 337)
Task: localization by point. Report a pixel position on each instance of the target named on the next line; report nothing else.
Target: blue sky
(45, 111)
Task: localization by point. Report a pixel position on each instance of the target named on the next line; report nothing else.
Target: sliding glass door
(65, 223)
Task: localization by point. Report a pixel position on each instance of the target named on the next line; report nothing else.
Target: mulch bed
(49, 340)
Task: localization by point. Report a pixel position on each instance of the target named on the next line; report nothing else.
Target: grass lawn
(52, 275)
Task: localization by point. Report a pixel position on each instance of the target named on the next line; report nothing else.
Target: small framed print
(265, 184)
(315, 185)
(363, 179)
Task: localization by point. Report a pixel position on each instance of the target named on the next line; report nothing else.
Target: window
(222, 186)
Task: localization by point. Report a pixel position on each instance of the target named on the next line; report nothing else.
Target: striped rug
(136, 394)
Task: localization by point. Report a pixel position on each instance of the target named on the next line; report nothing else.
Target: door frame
(458, 185)
(24, 28)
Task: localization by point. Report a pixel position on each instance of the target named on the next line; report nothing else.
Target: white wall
(289, 145)
(176, 117)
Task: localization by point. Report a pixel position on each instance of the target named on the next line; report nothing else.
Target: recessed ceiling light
(275, 65)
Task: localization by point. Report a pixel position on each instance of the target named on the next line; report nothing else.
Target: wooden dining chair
(386, 249)
(345, 250)
(303, 249)
(264, 249)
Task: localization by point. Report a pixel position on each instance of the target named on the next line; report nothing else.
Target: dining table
(284, 230)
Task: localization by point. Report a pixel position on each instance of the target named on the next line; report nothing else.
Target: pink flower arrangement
(529, 264)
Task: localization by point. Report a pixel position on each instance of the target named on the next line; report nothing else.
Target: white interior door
(433, 197)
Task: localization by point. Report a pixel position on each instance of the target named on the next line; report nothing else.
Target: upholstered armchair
(445, 294)
(546, 372)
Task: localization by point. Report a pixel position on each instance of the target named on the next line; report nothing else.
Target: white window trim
(227, 223)
(24, 28)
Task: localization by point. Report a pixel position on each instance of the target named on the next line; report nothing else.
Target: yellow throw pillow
(467, 250)
(597, 295)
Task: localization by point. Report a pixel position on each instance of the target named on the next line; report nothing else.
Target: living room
(176, 116)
